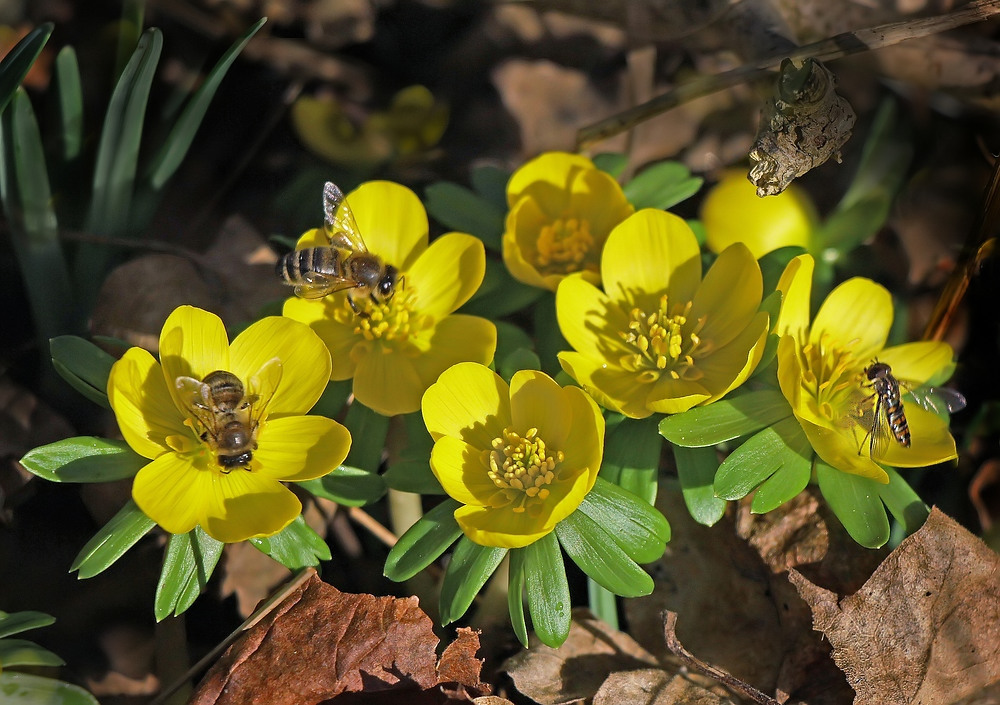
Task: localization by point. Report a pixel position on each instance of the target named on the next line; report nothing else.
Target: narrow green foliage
(662, 185)
(726, 419)
(423, 542)
(632, 455)
(187, 567)
(500, 294)
(490, 182)
(32, 690)
(515, 595)
(19, 60)
(696, 468)
(368, 431)
(638, 528)
(520, 359)
(17, 622)
(352, 487)
(549, 340)
(613, 163)
(129, 29)
(761, 456)
(84, 365)
(21, 652)
(787, 482)
(470, 567)
(69, 97)
(903, 503)
(602, 603)
(412, 471)
(110, 543)
(548, 590)
(83, 459)
(296, 546)
(460, 209)
(599, 556)
(857, 503)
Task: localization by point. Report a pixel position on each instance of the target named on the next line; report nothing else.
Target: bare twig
(377, 530)
(840, 45)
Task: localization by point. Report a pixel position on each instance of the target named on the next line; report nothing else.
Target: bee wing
(197, 399)
(316, 285)
(339, 223)
(938, 400)
(261, 387)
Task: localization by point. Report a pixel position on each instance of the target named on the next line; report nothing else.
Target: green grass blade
(129, 27)
(179, 140)
(471, 566)
(17, 622)
(28, 689)
(110, 543)
(548, 590)
(18, 62)
(69, 97)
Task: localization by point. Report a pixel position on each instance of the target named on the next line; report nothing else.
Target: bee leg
(354, 307)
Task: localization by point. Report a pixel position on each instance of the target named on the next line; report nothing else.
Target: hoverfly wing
(938, 400)
(880, 432)
(339, 223)
(261, 387)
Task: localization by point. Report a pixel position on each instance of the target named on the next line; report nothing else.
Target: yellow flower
(821, 372)
(186, 485)
(661, 340)
(520, 458)
(562, 208)
(733, 212)
(397, 352)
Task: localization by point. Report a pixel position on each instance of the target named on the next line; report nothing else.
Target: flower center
(392, 321)
(830, 376)
(563, 245)
(522, 466)
(664, 341)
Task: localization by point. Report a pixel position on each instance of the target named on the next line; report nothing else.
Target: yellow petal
(729, 296)
(930, 441)
(672, 396)
(651, 253)
(313, 238)
(612, 387)
(499, 527)
(457, 338)
(584, 446)
(339, 338)
(244, 505)
(386, 382)
(171, 491)
(447, 274)
(325, 129)
(590, 321)
(858, 314)
(296, 448)
(460, 469)
(392, 221)
(838, 447)
(790, 371)
(469, 401)
(795, 286)
(728, 367)
(145, 411)
(193, 343)
(536, 401)
(520, 244)
(732, 212)
(551, 169)
(305, 362)
(597, 198)
(917, 362)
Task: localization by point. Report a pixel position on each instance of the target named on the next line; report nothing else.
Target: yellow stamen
(523, 466)
(664, 341)
(830, 375)
(394, 321)
(563, 245)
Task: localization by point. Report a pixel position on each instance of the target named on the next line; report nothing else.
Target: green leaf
(549, 340)
(352, 487)
(602, 603)
(296, 546)
(904, 504)
(773, 264)
(515, 595)
(638, 528)
(460, 209)
(186, 126)
(726, 419)
(520, 359)
(662, 185)
(84, 459)
(21, 652)
(334, 397)
(511, 337)
(846, 229)
(110, 543)
(129, 27)
(500, 294)
(632, 455)
(368, 431)
(412, 471)
(69, 94)
(470, 567)
(84, 365)
(35, 690)
(548, 590)
(696, 468)
(597, 554)
(613, 163)
(187, 566)
(856, 502)
(761, 456)
(17, 622)
(771, 305)
(19, 60)
(490, 182)
(790, 479)
(423, 542)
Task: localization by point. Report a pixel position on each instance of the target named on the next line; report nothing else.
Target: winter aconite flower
(821, 370)
(395, 350)
(659, 339)
(218, 457)
(733, 212)
(562, 208)
(520, 459)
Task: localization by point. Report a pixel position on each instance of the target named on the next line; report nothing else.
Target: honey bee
(230, 417)
(345, 265)
(887, 417)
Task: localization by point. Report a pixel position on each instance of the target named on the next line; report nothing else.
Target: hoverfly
(345, 265)
(229, 416)
(887, 418)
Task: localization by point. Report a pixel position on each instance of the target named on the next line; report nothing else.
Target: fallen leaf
(925, 628)
(319, 643)
(654, 687)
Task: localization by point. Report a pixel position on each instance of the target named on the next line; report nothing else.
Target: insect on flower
(229, 416)
(346, 264)
(887, 417)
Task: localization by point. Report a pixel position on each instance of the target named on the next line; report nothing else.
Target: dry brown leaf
(654, 687)
(925, 628)
(576, 670)
(320, 643)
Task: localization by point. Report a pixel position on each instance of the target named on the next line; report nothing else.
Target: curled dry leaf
(925, 628)
(654, 687)
(319, 643)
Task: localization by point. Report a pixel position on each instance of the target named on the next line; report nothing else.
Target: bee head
(386, 286)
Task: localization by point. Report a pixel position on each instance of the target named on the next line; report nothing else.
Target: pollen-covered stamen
(563, 246)
(664, 341)
(523, 466)
(830, 375)
(395, 320)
